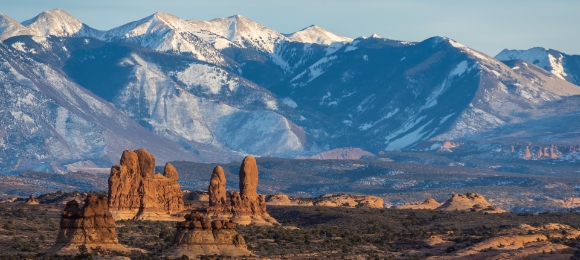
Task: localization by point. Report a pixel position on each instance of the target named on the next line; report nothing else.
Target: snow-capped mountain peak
(550, 60)
(243, 31)
(10, 27)
(57, 22)
(317, 34)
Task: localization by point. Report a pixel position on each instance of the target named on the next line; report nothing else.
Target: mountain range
(74, 97)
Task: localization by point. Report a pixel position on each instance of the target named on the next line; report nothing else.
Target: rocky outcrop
(349, 200)
(284, 200)
(243, 207)
(200, 236)
(32, 200)
(469, 202)
(427, 204)
(91, 225)
(137, 192)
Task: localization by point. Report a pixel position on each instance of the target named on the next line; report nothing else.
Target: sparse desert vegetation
(26, 231)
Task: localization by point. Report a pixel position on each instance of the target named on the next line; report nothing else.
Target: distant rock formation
(429, 203)
(243, 207)
(448, 146)
(528, 155)
(349, 153)
(469, 202)
(32, 200)
(199, 236)
(92, 226)
(284, 200)
(349, 200)
(137, 192)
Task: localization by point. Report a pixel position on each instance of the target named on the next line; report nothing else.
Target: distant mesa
(91, 225)
(469, 202)
(32, 200)
(137, 192)
(349, 200)
(429, 203)
(244, 207)
(201, 236)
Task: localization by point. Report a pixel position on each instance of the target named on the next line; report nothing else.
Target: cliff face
(136, 191)
(92, 225)
(243, 207)
(198, 235)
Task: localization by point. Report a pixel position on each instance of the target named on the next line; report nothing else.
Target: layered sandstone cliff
(244, 207)
(91, 225)
(137, 192)
(200, 236)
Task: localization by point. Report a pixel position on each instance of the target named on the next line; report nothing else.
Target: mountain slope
(50, 123)
(177, 97)
(388, 95)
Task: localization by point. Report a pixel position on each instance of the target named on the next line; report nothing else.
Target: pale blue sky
(488, 26)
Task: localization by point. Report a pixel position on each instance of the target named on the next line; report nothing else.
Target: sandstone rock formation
(284, 200)
(32, 200)
(469, 202)
(349, 200)
(198, 236)
(243, 207)
(427, 204)
(137, 192)
(91, 225)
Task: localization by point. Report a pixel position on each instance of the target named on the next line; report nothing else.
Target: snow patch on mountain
(209, 78)
(315, 70)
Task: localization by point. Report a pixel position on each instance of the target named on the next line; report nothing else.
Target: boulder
(32, 200)
(469, 202)
(137, 192)
(91, 225)
(429, 203)
(200, 236)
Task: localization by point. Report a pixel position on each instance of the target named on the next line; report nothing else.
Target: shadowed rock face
(243, 207)
(136, 191)
(198, 235)
(92, 225)
(217, 187)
